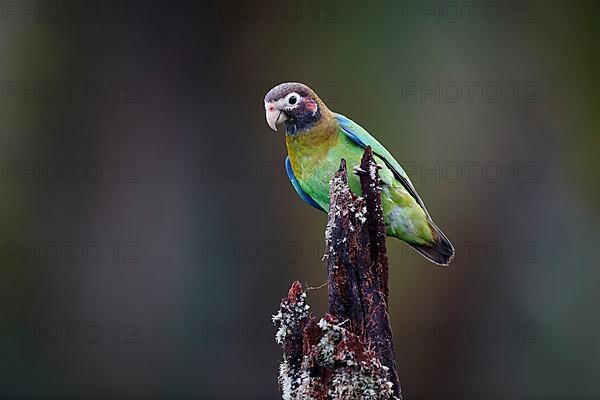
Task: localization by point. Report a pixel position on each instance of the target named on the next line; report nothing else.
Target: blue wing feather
(296, 184)
(360, 136)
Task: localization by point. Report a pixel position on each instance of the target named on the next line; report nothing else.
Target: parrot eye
(293, 98)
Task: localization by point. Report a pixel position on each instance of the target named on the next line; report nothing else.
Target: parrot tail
(440, 252)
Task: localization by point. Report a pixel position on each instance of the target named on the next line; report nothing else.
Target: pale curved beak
(274, 116)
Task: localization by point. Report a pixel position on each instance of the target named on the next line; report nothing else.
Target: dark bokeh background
(201, 234)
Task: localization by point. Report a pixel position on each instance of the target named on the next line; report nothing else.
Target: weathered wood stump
(349, 353)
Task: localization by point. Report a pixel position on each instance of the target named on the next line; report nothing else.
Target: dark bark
(350, 351)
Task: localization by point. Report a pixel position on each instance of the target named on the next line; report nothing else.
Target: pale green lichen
(288, 381)
(351, 375)
(365, 380)
(326, 348)
(289, 314)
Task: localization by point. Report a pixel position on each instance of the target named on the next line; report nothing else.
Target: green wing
(361, 137)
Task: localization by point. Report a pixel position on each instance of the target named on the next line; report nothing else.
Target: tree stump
(349, 353)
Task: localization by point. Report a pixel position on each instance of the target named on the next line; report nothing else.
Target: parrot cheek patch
(311, 105)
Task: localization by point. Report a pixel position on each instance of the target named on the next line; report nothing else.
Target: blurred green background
(158, 278)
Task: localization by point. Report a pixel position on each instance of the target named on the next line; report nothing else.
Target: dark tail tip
(441, 252)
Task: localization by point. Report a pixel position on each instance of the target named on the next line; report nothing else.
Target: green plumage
(315, 163)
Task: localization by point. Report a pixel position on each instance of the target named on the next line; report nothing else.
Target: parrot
(316, 141)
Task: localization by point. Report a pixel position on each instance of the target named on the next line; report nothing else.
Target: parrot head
(295, 105)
